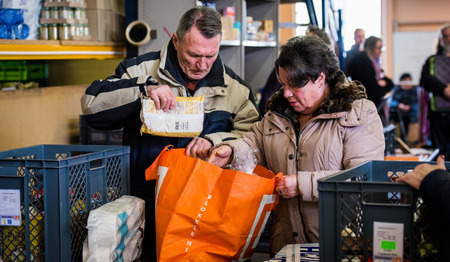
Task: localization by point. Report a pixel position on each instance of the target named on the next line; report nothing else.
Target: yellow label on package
(186, 120)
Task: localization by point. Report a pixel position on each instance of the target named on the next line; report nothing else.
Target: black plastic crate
(356, 198)
(92, 136)
(59, 185)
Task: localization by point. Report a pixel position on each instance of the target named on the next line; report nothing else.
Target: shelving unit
(59, 49)
(252, 60)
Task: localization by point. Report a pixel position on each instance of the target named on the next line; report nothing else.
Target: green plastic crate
(356, 198)
(36, 70)
(13, 70)
(59, 185)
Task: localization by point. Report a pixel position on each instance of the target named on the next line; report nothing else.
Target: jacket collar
(171, 68)
(340, 99)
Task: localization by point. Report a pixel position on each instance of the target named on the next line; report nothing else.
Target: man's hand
(415, 177)
(220, 156)
(199, 148)
(163, 97)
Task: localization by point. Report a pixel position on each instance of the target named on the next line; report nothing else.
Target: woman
(272, 85)
(366, 68)
(317, 124)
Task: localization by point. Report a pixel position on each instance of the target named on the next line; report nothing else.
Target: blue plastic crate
(355, 198)
(59, 185)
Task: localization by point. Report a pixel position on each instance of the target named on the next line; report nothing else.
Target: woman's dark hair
(304, 58)
(207, 20)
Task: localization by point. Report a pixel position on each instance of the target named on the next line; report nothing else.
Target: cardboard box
(100, 22)
(119, 26)
(227, 28)
(99, 4)
(118, 7)
(267, 26)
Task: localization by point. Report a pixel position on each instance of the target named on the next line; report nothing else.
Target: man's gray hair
(206, 19)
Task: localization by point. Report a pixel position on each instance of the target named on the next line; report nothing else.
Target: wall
(40, 116)
(49, 115)
(287, 15)
(410, 16)
(403, 16)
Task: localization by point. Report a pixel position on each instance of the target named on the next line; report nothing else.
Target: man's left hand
(199, 148)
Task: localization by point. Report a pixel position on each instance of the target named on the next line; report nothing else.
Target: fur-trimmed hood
(340, 99)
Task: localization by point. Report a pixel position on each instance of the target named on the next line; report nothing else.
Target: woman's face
(306, 99)
(376, 52)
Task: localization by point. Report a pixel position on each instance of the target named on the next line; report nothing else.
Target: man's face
(196, 53)
(446, 38)
(359, 37)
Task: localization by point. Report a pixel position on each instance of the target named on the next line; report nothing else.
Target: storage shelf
(230, 43)
(251, 43)
(58, 50)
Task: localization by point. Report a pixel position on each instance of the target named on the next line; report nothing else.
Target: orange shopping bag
(206, 213)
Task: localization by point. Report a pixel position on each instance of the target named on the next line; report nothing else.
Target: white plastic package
(186, 120)
(115, 231)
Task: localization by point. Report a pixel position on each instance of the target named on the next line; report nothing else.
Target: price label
(10, 214)
(388, 242)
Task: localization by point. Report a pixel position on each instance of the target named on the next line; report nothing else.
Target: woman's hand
(415, 177)
(287, 186)
(220, 155)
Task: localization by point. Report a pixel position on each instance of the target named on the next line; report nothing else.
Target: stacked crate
(53, 188)
(21, 74)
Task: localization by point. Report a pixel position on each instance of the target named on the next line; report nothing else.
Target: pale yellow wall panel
(40, 116)
(79, 72)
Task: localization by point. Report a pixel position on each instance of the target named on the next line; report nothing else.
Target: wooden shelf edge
(55, 49)
(57, 42)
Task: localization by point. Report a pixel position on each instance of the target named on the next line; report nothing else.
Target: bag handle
(150, 172)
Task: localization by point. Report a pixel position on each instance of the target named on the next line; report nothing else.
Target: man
(188, 65)
(359, 36)
(435, 79)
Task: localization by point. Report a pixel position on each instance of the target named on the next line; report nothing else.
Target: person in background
(435, 78)
(433, 182)
(314, 30)
(317, 124)
(359, 36)
(366, 68)
(272, 85)
(188, 65)
(404, 109)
